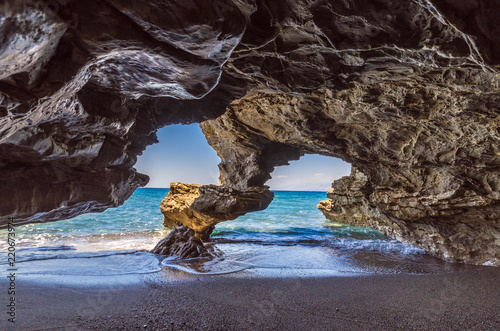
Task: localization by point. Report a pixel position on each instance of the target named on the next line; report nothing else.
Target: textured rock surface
(200, 207)
(405, 90)
(84, 86)
(182, 242)
(469, 235)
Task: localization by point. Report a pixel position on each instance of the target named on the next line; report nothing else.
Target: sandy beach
(175, 300)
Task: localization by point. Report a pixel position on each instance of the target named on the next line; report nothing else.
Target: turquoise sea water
(291, 237)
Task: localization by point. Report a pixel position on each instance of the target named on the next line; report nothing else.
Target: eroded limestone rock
(200, 207)
(469, 233)
(183, 242)
(85, 86)
(428, 170)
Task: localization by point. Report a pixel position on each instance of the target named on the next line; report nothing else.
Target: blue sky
(183, 155)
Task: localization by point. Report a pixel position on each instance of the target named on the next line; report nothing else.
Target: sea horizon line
(313, 191)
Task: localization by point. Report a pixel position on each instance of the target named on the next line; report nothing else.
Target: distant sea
(290, 238)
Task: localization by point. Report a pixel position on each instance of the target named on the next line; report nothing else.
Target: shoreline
(175, 300)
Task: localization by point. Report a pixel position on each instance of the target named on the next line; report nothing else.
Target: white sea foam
(291, 237)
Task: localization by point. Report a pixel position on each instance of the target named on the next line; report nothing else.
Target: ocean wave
(37, 254)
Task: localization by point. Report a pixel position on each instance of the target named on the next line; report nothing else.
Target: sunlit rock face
(405, 90)
(200, 207)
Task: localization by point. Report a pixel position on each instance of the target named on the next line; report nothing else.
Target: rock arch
(405, 91)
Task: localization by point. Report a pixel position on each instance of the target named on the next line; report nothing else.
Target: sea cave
(405, 92)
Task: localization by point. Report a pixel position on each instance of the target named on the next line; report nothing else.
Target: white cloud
(318, 174)
(279, 176)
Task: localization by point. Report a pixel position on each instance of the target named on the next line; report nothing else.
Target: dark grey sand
(174, 300)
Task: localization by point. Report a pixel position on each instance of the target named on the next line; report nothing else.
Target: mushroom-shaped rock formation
(200, 207)
(407, 91)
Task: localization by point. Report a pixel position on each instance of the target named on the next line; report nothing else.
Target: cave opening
(312, 172)
(293, 214)
(181, 155)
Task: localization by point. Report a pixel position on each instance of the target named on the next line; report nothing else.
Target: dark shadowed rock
(85, 86)
(184, 243)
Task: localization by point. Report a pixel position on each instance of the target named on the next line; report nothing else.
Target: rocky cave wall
(407, 91)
